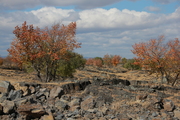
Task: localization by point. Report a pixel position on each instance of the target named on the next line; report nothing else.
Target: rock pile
(84, 100)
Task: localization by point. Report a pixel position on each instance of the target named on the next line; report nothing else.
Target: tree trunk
(175, 80)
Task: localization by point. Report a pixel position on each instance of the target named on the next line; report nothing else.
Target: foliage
(94, 62)
(115, 60)
(43, 49)
(67, 67)
(1, 61)
(123, 61)
(130, 65)
(110, 60)
(161, 58)
(107, 60)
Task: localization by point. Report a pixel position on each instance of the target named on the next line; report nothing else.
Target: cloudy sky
(103, 26)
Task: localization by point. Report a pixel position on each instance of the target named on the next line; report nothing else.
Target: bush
(130, 65)
(66, 68)
(1, 61)
(97, 61)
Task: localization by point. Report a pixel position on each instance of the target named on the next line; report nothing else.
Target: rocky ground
(94, 94)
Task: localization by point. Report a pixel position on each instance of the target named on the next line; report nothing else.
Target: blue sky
(103, 26)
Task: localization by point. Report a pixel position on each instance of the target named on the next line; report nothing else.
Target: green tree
(130, 65)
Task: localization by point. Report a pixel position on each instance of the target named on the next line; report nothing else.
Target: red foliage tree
(94, 62)
(43, 48)
(160, 58)
(116, 60)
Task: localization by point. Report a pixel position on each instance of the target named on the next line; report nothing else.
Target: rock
(32, 89)
(1, 109)
(22, 86)
(59, 116)
(14, 94)
(61, 105)
(8, 106)
(75, 101)
(20, 101)
(177, 114)
(47, 117)
(88, 103)
(5, 87)
(168, 105)
(56, 92)
(3, 96)
(31, 110)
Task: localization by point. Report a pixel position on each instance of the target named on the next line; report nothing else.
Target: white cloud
(100, 31)
(153, 9)
(81, 4)
(165, 1)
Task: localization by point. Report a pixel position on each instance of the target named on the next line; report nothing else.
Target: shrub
(130, 65)
(66, 68)
(1, 61)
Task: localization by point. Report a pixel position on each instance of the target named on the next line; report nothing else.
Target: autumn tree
(173, 61)
(43, 49)
(111, 60)
(95, 62)
(107, 60)
(1, 61)
(160, 57)
(115, 60)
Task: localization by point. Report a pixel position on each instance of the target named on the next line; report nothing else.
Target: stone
(56, 92)
(177, 114)
(3, 96)
(47, 117)
(20, 101)
(59, 116)
(61, 105)
(8, 106)
(75, 102)
(1, 109)
(5, 86)
(88, 103)
(168, 105)
(14, 94)
(32, 89)
(32, 110)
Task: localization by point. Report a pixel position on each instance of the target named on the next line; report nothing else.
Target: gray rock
(61, 105)
(14, 94)
(3, 96)
(168, 105)
(59, 116)
(5, 86)
(8, 106)
(56, 92)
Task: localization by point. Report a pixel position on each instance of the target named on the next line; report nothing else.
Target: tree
(173, 61)
(161, 58)
(1, 61)
(115, 60)
(111, 60)
(97, 61)
(43, 49)
(67, 67)
(107, 60)
(130, 65)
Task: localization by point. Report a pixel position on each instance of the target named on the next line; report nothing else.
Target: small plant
(1, 61)
(97, 61)
(131, 66)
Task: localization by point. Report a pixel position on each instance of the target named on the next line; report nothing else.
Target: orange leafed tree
(111, 60)
(116, 60)
(94, 62)
(158, 56)
(43, 48)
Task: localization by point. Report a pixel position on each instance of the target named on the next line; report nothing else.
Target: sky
(103, 26)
